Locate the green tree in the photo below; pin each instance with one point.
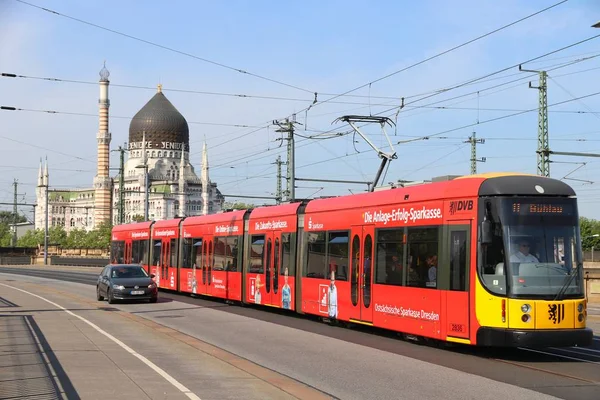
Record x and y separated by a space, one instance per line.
138 218
5 235
31 238
57 236
103 235
77 239
588 228
237 205
8 217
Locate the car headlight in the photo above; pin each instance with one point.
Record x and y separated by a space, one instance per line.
119 287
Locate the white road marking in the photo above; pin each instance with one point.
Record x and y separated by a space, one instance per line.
149 363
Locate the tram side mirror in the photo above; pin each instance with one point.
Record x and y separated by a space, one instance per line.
486 232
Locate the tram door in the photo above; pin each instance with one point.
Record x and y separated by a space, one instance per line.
173 264
207 264
165 278
127 255
272 260
361 274
457 298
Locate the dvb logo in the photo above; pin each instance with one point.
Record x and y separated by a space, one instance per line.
460 205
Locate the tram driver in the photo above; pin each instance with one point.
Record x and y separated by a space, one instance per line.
522 255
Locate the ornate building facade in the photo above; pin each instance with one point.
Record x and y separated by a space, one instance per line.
158 174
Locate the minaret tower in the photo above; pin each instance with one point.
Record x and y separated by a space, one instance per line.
182 189
205 180
102 182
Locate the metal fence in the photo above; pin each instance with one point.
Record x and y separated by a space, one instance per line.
591 256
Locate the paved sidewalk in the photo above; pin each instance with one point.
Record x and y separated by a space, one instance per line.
47 353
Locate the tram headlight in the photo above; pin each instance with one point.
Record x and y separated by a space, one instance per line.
525 317
580 307
580 317
525 308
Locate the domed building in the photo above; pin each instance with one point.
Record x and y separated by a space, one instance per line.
159 179
159 151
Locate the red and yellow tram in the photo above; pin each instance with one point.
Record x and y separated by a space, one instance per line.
491 260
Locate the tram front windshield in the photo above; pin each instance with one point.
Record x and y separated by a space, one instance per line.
537 248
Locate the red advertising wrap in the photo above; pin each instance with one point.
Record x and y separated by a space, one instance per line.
430 260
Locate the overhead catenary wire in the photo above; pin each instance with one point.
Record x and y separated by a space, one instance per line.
82 114
562 65
282 98
438 54
469 125
477 92
219 64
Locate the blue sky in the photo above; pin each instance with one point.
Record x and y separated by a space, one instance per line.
324 47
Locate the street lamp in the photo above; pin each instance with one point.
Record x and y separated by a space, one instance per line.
596 25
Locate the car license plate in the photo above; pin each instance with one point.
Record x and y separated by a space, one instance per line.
137 292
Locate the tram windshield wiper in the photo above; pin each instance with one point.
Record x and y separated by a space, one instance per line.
563 289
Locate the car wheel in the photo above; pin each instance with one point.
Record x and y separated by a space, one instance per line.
153 299
98 296
111 299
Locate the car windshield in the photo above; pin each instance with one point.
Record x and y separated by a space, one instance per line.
128 272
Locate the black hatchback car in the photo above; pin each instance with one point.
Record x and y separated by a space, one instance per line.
126 282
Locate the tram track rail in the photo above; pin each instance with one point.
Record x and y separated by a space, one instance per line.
580 365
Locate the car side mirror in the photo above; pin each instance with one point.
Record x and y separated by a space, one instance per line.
152 275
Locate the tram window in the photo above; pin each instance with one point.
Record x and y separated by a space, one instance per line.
458 260
390 256
286 255
173 247
187 253
231 253
143 251
220 254
196 250
156 252
117 251
316 266
139 251
337 254
135 246
257 248
422 257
